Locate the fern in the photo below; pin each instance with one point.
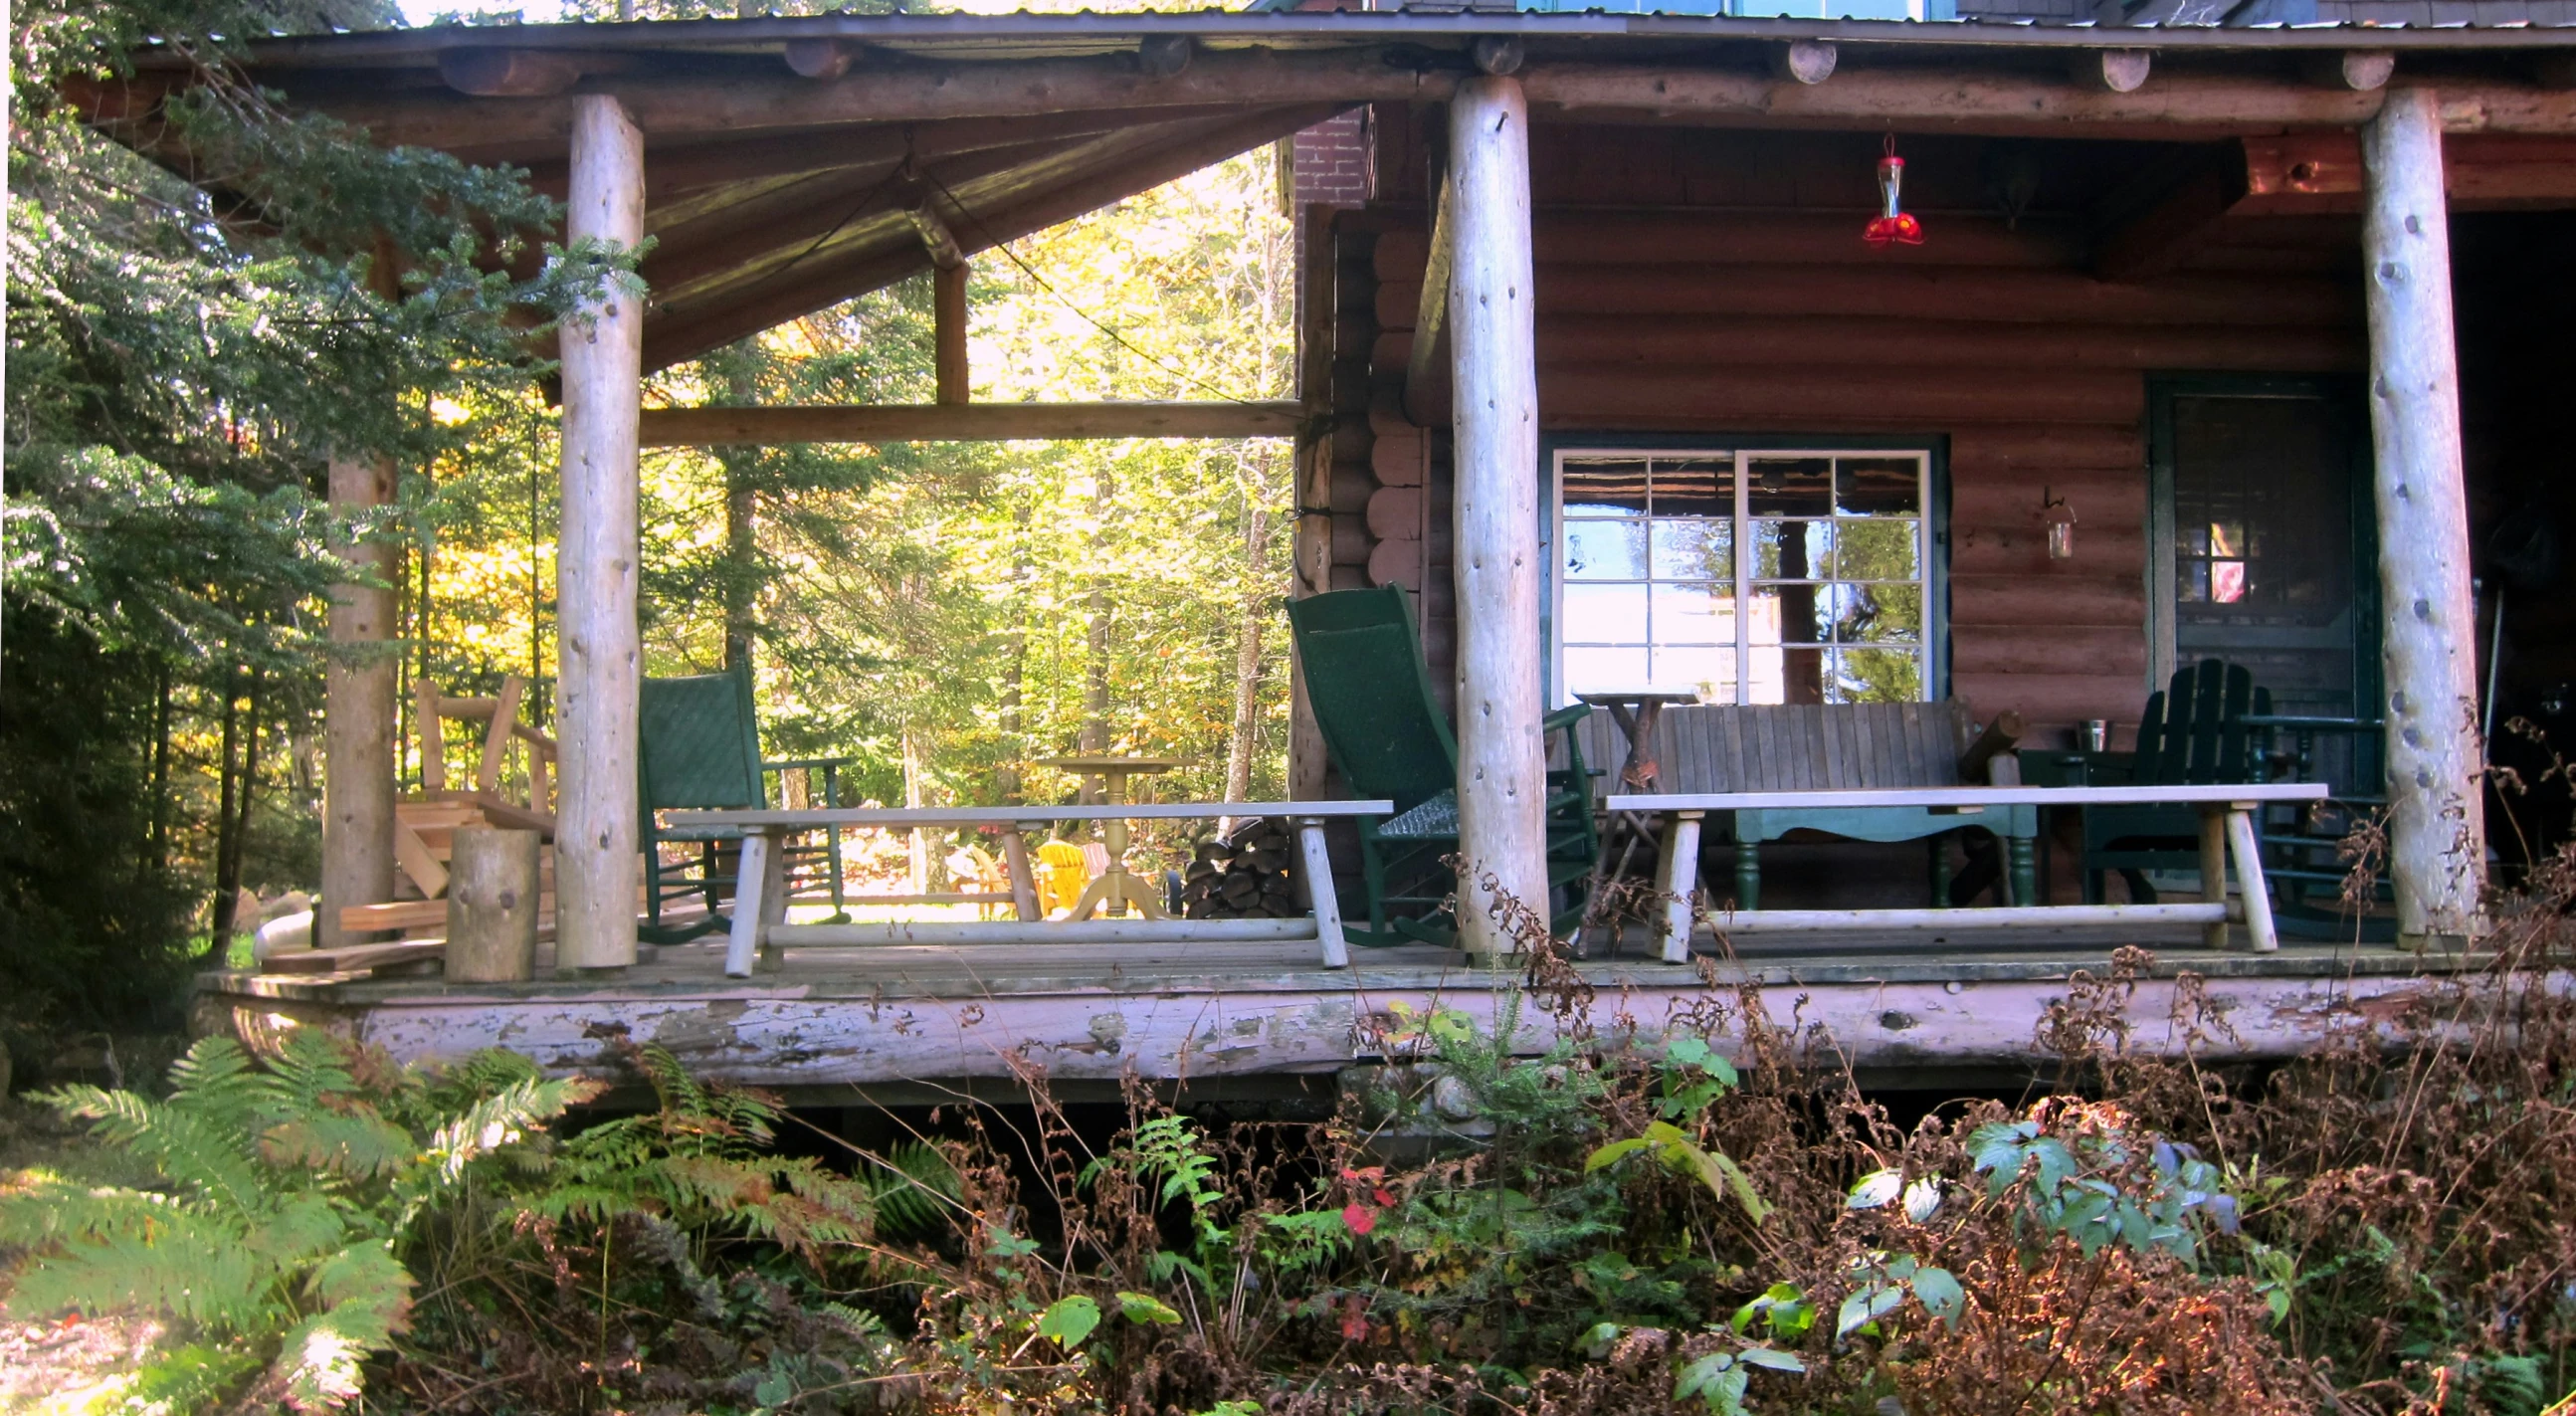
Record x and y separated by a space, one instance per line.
289 1188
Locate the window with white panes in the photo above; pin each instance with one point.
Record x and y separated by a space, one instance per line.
1745 577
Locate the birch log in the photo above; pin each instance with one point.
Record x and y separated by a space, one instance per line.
358 714
597 868
2437 828
1502 764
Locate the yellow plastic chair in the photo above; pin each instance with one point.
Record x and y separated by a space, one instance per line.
1064 872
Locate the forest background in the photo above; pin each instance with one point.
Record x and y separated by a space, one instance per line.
941 613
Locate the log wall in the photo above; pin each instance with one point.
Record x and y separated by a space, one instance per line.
1698 282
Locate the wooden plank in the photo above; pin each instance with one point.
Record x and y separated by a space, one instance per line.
354 957
1848 797
968 422
1010 931
797 818
2437 827
1974 918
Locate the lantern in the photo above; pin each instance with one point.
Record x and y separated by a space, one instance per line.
2061 526
1893 225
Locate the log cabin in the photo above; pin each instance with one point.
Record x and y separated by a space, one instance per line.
2231 334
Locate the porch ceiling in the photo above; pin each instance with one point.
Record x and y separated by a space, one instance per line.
785 157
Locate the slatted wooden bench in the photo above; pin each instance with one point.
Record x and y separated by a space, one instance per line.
1832 748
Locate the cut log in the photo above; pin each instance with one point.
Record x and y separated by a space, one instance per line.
492 905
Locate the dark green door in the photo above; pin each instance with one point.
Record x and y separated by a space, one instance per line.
2263 549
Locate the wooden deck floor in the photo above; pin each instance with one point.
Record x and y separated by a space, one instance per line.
842 1022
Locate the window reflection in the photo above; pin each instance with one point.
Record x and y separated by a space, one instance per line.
1833 544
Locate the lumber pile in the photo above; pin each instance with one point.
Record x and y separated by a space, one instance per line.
1243 875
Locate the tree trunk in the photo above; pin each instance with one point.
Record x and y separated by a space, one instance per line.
742 528
358 712
1247 656
236 788
1015 663
1095 678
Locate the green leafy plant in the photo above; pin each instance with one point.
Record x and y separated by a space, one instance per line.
290 1189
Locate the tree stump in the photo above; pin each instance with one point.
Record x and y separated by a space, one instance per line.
492 901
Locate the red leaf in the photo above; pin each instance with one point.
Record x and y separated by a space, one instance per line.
1359 1217
1383 1198
1355 1323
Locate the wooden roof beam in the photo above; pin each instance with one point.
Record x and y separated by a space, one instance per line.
790 294
2155 223
669 109
680 168
968 422
730 240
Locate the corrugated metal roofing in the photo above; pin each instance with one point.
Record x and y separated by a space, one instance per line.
1024 35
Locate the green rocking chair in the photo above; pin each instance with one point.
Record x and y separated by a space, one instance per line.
1371 695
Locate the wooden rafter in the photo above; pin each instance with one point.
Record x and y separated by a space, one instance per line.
719 318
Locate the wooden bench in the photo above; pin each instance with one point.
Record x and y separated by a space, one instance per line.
1831 748
760 900
2226 829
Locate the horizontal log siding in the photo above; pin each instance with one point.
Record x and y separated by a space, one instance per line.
1784 322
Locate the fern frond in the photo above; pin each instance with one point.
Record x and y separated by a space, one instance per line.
195 1376
309 1076
368 1276
915 1189
300 1230
50 1210
501 1120
321 1363
204 1150
360 1144
192 1267
215 1077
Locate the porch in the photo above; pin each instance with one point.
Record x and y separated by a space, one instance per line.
911 1024
1615 246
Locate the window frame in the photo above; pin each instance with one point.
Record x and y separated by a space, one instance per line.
1933 533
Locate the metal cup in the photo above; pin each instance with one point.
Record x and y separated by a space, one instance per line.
2097 734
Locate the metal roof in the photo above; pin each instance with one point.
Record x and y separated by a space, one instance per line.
1025 35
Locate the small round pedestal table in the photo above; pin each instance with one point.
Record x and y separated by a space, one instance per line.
1116 883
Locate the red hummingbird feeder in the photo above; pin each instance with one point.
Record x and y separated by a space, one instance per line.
1893 226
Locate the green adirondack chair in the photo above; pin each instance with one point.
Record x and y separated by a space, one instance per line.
2193 733
700 749
1371 694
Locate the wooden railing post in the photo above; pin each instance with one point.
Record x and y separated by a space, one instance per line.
2437 826
1502 760
597 868
358 713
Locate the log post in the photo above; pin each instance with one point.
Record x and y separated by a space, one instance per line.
598 870
1502 760
492 899
948 327
358 713
2437 825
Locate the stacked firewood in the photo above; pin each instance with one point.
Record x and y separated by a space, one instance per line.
1242 876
